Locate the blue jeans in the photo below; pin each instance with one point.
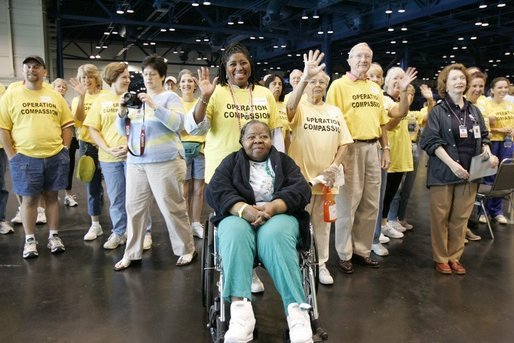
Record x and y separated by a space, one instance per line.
378 224
494 206
401 199
4 194
94 188
114 174
274 243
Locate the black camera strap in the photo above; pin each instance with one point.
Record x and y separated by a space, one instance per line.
142 136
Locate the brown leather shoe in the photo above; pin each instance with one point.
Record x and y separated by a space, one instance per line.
366 261
457 268
443 268
346 266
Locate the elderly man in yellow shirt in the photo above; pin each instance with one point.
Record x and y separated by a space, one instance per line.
362 104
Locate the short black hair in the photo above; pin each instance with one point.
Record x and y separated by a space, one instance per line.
155 62
270 79
236 48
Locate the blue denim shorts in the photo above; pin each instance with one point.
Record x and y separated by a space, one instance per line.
195 167
31 176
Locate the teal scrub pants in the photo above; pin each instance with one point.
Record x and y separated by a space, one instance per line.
274 244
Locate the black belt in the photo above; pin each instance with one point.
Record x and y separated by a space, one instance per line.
373 140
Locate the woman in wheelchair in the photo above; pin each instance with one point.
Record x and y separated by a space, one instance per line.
259 196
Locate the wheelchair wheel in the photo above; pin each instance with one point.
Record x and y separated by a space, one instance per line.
208 266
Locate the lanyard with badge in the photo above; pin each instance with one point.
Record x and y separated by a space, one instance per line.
234 101
463 129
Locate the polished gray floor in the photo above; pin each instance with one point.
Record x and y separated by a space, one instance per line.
77 297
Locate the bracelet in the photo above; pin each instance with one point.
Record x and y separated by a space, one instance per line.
241 209
387 147
203 101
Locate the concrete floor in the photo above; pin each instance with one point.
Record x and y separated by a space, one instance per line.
77 297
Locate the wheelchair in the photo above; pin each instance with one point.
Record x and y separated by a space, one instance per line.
212 283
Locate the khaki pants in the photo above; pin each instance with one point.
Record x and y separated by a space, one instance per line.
321 228
357 201
450 208
164 182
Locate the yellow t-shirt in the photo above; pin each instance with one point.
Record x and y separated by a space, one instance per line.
102 117
281 106
401 148
188 106
36 119
504 114
415 120
317 132
82 131
362 104
228 114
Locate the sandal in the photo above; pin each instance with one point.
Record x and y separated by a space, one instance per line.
186 259
124 263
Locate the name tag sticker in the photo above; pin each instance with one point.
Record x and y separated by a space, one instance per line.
260 101
107 103
45 99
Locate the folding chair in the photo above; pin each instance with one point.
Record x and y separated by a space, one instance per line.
502 187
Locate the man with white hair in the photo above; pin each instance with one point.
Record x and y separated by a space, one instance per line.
294 79
362 104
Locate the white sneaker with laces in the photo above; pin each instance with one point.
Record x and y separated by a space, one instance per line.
30 248
147 243
257 285
299 323
324 276
41 216
242 322
115 241
383 239
482 219
501 219
390 232
55 244
94 231
17 217
397 226
379 249
197 229
69 200
5 228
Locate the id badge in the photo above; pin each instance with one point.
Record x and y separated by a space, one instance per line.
463 131
476 131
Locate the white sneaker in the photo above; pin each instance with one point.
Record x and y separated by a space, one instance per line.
257 285
379 249
406 225
324 276
390 232
69 200
197 229
114 241
41 216
5 228
55 244
383 239
482 219
17 217
147 244
242 322
397 226
94 231
501 219
30 248
299 323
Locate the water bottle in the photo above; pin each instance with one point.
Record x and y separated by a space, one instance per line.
329 206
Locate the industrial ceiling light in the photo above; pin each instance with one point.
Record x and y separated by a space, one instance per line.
304 15
388 9
206 3
404 28
482 5
401 9
230 21
478 22
390 29
315 15
240 21
119 10
330 31
195 3
501 4
171 29
163 29
484 24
